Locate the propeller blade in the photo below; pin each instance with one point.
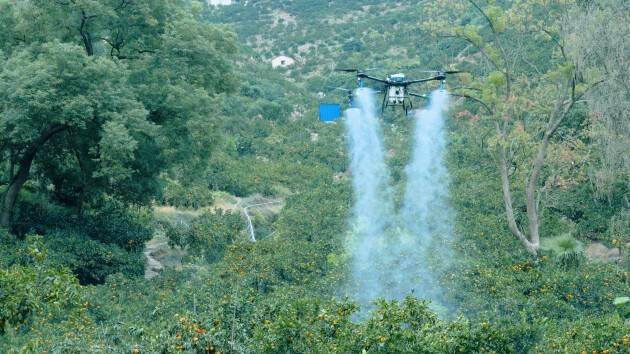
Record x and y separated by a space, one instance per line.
442 71
356 70
338 88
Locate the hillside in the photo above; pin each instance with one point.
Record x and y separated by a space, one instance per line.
144 142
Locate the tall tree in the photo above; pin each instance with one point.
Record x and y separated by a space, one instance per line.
57 89
528 85
119 89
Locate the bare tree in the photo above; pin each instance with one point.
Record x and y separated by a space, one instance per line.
599 33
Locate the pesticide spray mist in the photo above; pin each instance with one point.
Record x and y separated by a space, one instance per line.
426 214
395 254
373 208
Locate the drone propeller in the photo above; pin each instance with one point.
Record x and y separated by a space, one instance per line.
442 72
339 88
357 70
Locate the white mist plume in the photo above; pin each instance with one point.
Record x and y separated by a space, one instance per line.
426 214
390 252
373 206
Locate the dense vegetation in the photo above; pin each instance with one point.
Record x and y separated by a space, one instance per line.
112 109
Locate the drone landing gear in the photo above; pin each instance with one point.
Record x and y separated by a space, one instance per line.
384 104
408 107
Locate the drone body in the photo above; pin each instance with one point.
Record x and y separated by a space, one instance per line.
396 93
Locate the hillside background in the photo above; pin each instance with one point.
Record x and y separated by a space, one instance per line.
148 249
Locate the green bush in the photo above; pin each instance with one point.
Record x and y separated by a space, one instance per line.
240 178
209 235
180 196
112 222
568 251
107 220
92 261
591 334
34 290
31 292
36 215
305 325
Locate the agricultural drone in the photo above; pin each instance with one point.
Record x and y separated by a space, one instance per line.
395 87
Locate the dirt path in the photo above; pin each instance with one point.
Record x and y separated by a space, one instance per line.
153 266
160 255
157 250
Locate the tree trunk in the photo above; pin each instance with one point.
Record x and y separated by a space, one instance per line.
531 247
531 240
24 168
12 193
85 34
11 166
531 192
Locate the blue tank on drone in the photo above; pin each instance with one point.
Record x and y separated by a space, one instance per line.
329 112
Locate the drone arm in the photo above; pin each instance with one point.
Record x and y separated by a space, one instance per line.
365 76
424 80
417 95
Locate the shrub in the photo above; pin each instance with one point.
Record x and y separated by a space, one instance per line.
35 290
180 196
209 235
408 326
567 250
112 222
34 215
92 261
107 220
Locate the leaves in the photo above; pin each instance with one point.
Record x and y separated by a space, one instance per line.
116 149
129 83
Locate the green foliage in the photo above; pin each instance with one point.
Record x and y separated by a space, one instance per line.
108 238
157 105
565 248
191 196
602 334
623 304
34 292
107 220
186 334
394 327
62 82
208 235
112 222
30 293
109 95
90 260
37 215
